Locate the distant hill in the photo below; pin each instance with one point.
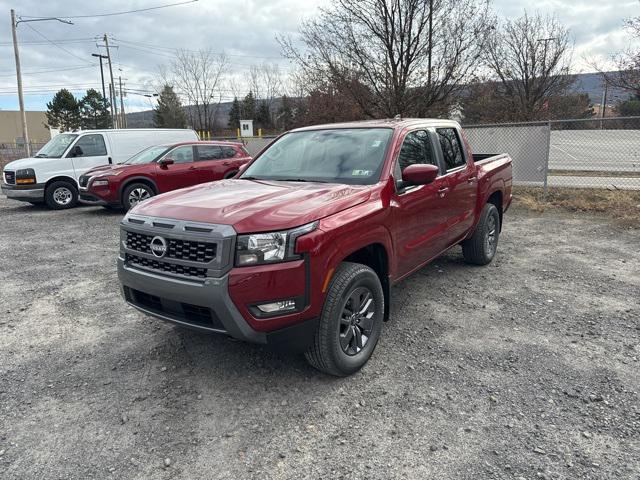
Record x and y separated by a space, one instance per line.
589 83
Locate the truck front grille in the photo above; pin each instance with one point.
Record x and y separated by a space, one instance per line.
159 265
179 249
9 177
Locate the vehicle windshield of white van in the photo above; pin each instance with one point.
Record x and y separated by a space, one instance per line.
340 155
55 147
147 155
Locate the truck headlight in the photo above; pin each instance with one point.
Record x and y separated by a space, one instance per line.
273 247
25 176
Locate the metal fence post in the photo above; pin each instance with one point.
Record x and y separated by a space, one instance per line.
546 163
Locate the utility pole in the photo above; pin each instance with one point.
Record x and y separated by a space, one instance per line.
123 123
112 89
104 92
23 114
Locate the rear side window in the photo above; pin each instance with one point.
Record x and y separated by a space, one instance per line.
181 155
209 152
451 148
92 145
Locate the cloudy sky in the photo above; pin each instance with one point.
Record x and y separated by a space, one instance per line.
56 55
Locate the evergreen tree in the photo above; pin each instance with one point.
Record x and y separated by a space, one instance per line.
94 111
63 112
235 114
249 107
169 113
285 114
263 115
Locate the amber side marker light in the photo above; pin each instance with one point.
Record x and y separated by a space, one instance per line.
25 181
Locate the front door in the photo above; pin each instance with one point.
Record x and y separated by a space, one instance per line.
183 172
89 151
419 220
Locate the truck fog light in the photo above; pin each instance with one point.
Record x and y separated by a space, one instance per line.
283 306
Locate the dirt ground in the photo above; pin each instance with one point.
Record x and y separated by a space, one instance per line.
524 369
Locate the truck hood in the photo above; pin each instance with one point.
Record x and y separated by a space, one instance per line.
255 206
30 162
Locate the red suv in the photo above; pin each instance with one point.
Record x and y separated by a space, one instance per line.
160 169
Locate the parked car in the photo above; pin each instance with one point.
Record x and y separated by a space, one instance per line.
51 176
160 169
301 248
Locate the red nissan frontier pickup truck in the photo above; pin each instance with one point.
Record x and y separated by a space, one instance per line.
301 248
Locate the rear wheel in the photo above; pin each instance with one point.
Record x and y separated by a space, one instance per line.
136 193
60 195
483 244
351 321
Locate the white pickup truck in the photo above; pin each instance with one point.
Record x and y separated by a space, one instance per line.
51 176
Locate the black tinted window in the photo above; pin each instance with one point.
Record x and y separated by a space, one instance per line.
451 148
209 152
91 145
416 148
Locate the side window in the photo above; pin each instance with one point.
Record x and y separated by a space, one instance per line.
209 152
451 148
91 145
416 148
181 154
228 152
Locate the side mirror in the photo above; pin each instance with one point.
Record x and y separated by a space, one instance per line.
165 162
419 174
77 151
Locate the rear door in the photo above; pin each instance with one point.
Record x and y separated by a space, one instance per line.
418 217
461 183
92 153
182 173
209 162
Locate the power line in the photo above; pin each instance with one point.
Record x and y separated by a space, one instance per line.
120 13
171 49
52 70
62 40
59 46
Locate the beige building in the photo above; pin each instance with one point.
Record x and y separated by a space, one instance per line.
11 127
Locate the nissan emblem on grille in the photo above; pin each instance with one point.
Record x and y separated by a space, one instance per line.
158 246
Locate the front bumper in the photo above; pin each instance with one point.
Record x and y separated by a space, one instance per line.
27 193
204 306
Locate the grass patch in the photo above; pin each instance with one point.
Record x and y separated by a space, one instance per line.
622 206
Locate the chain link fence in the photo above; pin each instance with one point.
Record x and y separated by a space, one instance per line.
583 153
14 151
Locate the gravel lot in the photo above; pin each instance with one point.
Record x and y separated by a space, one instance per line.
524 369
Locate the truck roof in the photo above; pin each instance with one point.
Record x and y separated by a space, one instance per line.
395 123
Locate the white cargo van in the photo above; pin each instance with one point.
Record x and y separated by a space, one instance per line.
51 175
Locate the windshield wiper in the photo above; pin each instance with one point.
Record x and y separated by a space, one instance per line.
250 178
41 155
300 180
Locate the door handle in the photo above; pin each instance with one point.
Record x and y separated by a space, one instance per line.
110 160
471 179
443 191
226 164
192 167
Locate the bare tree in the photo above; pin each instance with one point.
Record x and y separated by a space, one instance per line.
266 83
530 58
378 52
198 76
627 76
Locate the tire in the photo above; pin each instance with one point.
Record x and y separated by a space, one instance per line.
61 195
483 244
135 193
334 349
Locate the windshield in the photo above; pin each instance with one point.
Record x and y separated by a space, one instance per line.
147 155
341 155
55 147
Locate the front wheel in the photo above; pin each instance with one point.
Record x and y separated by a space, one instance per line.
136 193
483 244
351 321
60 195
